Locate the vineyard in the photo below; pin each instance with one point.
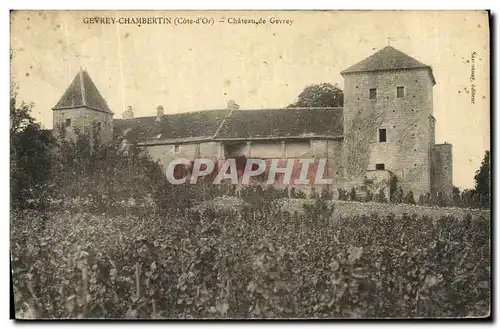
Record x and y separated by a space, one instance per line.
102 236
249 262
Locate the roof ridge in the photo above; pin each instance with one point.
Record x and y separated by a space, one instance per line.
234 110
82 87
294 108
223 122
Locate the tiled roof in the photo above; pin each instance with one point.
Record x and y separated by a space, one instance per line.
388 58
236 124
189 126
283 123
136 129
82 92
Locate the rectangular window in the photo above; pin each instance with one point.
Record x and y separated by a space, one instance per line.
400 92
176 148
382 135
67 122
99 125
380 166
373 93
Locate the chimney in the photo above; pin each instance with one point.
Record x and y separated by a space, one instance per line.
159 113
231 105
129 113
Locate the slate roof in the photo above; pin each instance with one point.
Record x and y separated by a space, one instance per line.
388 58
82 92
283 123
233 125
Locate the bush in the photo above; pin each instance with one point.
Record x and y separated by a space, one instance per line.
409 198
352 195
369 196
342 195
381 197
313 194
326 194
297 194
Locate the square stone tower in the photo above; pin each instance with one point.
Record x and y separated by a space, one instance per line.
388 122
82 107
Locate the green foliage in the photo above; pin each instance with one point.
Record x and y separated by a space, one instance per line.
342 195
409 198
483 181
319 209
397 196
253 265
313 194
261 198
326 194
320 95
297 194
380 197
369 196
352 195
30 155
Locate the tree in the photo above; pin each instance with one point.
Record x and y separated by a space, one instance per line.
456 199
320 95
482 181
30 158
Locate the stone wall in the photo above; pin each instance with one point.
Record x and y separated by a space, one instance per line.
266 149
331 150
81 118
442 169
165 153
298 149
432 127
347 209
211 150
406 153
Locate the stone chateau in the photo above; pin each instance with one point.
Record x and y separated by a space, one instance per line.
383 137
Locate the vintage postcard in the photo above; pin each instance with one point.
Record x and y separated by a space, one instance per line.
250 164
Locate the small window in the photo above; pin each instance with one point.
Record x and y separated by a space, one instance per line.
373 93
382 135
380 166
400 92
176 148
99 125
67 122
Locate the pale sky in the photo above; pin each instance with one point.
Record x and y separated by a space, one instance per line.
196 67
